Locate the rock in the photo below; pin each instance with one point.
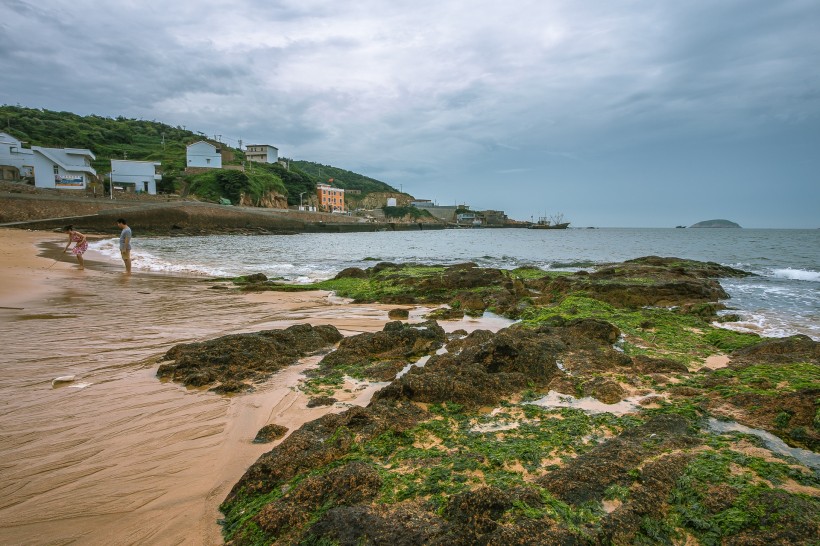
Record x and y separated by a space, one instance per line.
470 303
647 281
256 277
648 365
649 400
479 509
398 341
352 483
797 348
605 390
321 401
647 500
586 477
783 519
687 392
563 384
762 411
269 433
482 516
244 357
594 329
231 386
322 441
398 525
484 367
398 314
351 273
446 313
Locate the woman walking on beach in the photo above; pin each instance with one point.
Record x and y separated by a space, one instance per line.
80 244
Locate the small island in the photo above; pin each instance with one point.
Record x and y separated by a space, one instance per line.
715 224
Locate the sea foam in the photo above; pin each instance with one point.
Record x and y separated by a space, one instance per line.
142 260
797 274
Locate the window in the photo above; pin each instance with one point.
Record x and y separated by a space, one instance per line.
56 169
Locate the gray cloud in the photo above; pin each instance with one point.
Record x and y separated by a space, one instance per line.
599 109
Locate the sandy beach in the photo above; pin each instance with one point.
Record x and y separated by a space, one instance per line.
116 456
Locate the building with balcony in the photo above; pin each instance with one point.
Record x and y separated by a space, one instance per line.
63 168
16 162
262 153
330 199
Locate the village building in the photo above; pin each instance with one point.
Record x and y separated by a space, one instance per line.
445 214
330 198
203 155
262 153
135 176
468 218
494 218
16 162
63 168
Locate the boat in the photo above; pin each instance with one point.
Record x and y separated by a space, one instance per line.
545 223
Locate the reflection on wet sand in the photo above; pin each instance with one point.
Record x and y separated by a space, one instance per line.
117 456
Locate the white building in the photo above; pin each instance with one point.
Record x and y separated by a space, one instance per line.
139 176
62 168
15 161
204 154
262 153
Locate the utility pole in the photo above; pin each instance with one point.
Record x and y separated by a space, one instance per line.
163 140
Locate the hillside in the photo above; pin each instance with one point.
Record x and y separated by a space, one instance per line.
342 178
124 138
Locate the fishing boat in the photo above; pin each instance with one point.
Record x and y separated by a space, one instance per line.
555 222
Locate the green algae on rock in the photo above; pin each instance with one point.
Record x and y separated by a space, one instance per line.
233 360
453 452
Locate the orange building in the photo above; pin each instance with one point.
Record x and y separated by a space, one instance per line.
330 198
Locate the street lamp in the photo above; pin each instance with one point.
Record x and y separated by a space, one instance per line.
300 199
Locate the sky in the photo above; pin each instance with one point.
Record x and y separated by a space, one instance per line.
615 113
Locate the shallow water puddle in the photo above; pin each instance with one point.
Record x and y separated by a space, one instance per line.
775 444
589 404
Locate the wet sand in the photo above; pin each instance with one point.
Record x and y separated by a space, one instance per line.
117 456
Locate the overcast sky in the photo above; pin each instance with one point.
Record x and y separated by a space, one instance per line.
615 113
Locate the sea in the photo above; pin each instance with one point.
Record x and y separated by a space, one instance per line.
781 299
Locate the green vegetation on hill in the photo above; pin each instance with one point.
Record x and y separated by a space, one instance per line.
342 178
294 181
107 137
220 183
143 140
